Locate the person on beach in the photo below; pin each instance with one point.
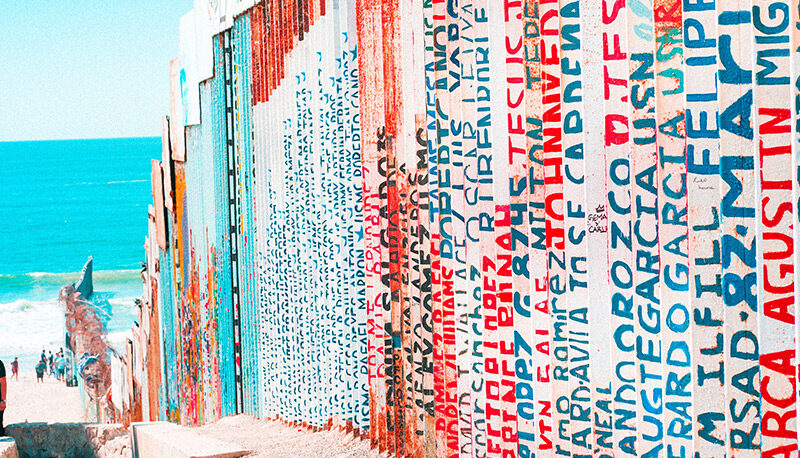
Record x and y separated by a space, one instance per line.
2 396
44 356
60 366
40 368
15 369
50 365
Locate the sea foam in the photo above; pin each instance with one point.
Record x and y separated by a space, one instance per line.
31 317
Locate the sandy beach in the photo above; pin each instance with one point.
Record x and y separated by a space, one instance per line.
50 401
272 439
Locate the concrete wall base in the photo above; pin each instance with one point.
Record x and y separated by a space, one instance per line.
70 440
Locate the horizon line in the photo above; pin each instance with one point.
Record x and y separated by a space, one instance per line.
78 139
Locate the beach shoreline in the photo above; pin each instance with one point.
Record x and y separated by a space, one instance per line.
51 401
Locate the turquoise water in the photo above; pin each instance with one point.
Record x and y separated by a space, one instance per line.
62 202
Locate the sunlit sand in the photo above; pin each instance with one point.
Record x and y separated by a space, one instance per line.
51 401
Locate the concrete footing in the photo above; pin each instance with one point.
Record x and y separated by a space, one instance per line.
167 439
68 440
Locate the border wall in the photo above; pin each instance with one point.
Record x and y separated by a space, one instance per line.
482 228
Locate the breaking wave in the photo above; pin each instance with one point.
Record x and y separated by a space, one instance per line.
48 282
32 319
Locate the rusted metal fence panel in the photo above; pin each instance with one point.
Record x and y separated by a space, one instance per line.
478 228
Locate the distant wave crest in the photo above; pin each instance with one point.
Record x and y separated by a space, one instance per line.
50 279
23 306
88 183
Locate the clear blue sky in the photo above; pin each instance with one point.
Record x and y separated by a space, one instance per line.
88 69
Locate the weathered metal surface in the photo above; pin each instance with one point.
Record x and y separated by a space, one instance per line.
477 228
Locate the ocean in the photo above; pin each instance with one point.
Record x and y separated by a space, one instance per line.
62 202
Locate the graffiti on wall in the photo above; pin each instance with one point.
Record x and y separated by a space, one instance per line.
479 228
